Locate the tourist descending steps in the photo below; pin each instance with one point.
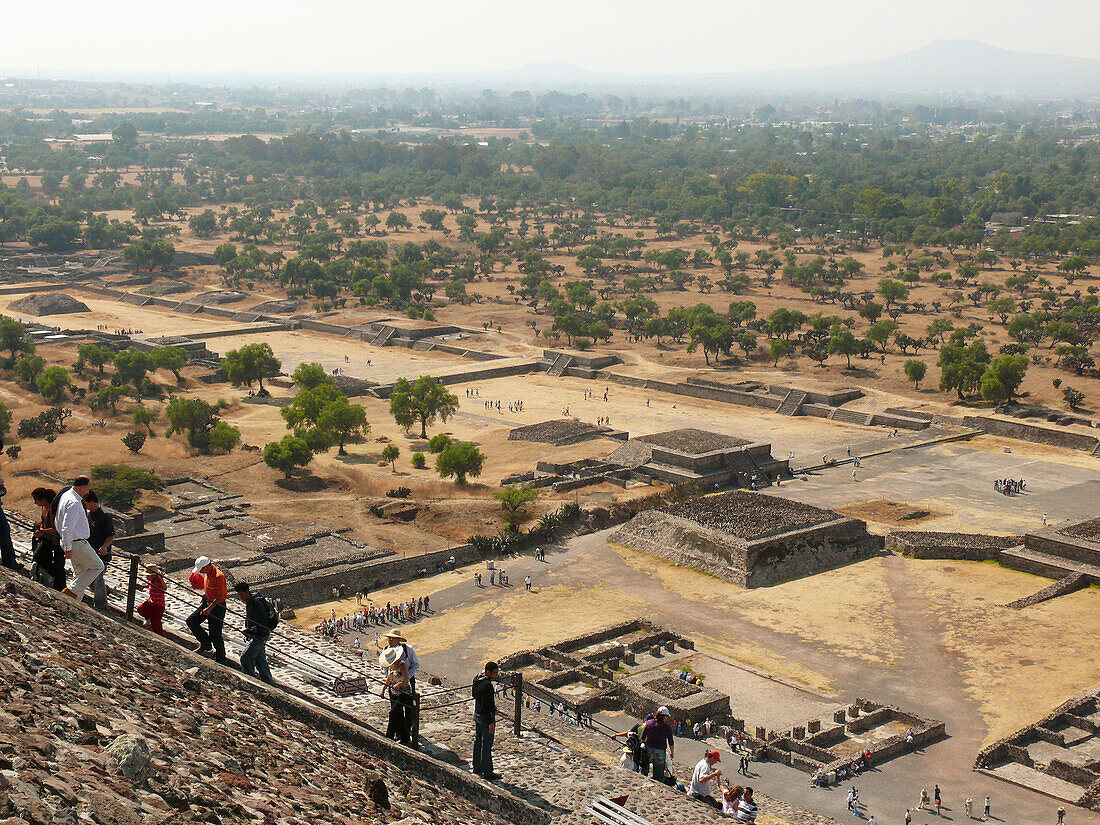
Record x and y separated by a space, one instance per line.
48 562
259 620
399 726
211 609
152 609
101 537
71 521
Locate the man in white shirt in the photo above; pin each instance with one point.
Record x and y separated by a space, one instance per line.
701 777
71 521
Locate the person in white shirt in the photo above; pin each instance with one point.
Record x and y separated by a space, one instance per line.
71 521
701 777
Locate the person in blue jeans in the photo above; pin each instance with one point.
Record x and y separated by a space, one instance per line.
256 630
659 744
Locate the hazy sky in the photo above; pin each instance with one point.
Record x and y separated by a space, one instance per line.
412 36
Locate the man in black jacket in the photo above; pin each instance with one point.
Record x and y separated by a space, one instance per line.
485 713
257 631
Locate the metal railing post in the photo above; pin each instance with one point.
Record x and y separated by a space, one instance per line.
131 587
517 686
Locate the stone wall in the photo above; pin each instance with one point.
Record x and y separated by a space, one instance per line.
311 588
937 545
1030 432
809 551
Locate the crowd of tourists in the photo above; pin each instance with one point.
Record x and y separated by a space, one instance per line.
1009 486
373 615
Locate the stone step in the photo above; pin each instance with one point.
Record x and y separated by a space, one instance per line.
1037 781
1044 564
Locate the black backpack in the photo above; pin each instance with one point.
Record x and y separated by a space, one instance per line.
272 615
634 742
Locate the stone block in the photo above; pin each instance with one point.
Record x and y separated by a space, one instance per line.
762 733
853 712
814 725
628 657
840 716
799 732
655 650
670 646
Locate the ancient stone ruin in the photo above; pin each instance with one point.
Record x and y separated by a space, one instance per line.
1059 755
50 303
750 539
699 457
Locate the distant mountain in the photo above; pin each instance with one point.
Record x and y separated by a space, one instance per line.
951 67
946 68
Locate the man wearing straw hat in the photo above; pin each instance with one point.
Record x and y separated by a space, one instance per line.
394 640
397 683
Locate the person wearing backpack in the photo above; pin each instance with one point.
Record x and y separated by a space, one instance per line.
260 619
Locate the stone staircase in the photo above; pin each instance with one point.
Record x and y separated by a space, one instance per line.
384 336
851 417
791 403
561 363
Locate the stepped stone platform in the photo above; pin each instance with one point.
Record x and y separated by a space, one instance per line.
750 539
1058 756
699 457
557 432
53 303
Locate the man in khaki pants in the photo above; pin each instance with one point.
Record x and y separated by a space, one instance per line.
71 521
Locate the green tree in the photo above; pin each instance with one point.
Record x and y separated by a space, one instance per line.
310 374
1003 376
343 421
1073 398
892 291
843 342
962 365
134 441
169 358
223 438
29 367
514 501
131 365
108 397
144 417
914 371
880 332
779 348
15 338
53 384
125 136
308 404
199 420
5 420
119 485
433 218
459 460
423 400
287 455
97 355
252 362
390 453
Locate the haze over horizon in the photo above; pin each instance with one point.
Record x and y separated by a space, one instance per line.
435 37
